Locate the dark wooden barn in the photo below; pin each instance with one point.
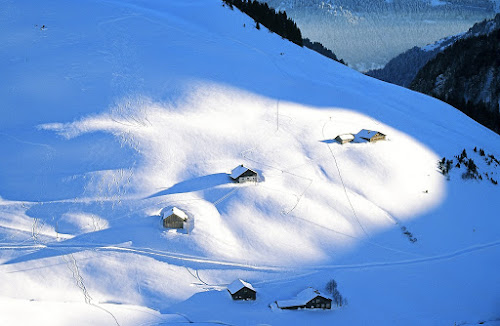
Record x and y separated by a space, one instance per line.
241 290
370 135
243 174
307 299
174 218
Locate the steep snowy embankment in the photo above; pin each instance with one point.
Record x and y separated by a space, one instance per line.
141 105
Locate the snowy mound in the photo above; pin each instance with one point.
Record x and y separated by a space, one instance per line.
144 105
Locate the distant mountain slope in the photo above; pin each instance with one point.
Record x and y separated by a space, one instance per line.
367 34
402 69
384 5
467 75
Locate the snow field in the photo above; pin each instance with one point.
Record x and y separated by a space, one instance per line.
150 104
159 141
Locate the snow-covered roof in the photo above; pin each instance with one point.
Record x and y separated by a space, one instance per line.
238 285
239 170
176 211
302 298
366 134
346 136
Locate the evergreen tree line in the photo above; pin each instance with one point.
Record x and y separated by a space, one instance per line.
279 23
480 111
318 47
471 169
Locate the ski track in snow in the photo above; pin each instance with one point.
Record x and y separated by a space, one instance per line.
198 259
27 142
75 271
343 183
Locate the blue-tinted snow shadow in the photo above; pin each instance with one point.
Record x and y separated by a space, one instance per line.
143 229
196 184
87 241
41 166
333 141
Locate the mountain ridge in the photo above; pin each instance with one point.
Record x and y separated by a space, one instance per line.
368 34
466 75
402 69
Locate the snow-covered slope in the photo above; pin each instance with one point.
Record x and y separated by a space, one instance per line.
109 117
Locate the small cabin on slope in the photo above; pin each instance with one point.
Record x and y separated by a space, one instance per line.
307 299
241 290
370 135
174 218
344 138
243 174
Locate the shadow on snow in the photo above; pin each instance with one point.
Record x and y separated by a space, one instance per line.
196 184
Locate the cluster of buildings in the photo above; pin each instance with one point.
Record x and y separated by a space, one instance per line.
306 299
364 135
175 218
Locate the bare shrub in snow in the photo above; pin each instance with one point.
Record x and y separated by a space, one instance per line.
338 299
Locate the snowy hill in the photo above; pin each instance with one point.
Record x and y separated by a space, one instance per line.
110 117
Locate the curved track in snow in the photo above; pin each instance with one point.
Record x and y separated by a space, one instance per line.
203 260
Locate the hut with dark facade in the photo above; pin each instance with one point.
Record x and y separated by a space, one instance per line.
241 290
306 299
243 174
344 138
174 218
370 135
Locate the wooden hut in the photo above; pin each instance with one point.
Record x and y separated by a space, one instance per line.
370 135
174 218
243 174
306 299
344 138
241 290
